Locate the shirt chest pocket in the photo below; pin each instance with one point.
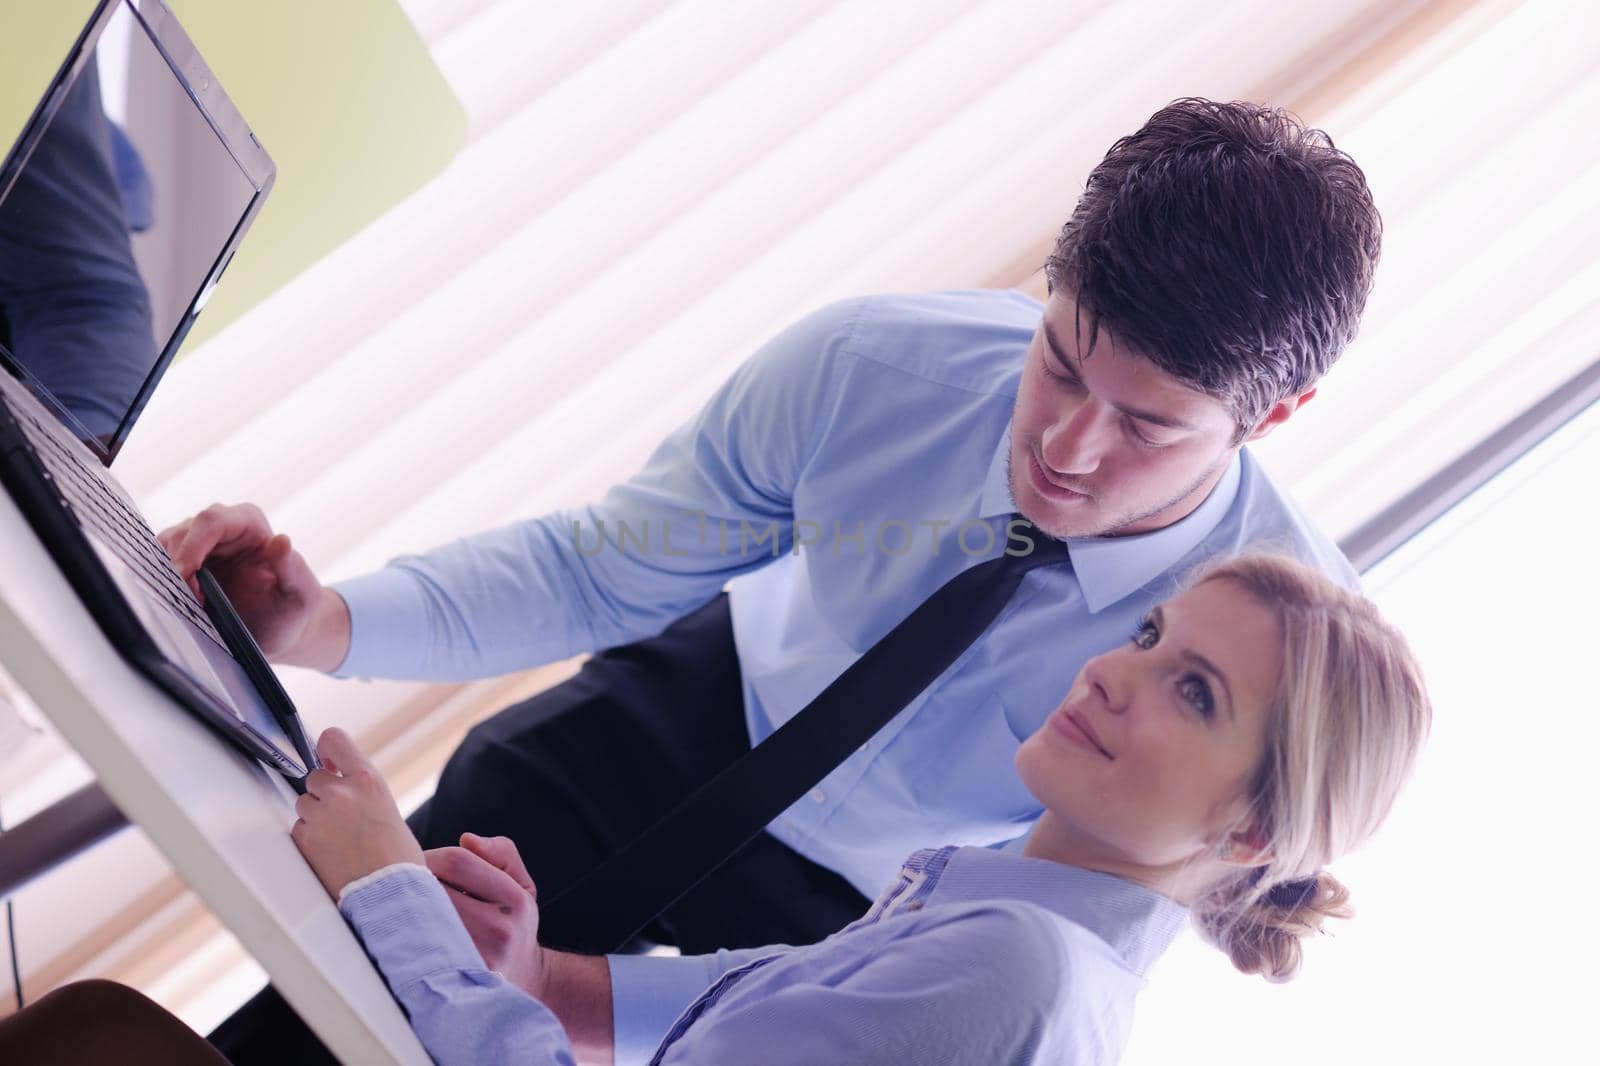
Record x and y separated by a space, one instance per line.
966 780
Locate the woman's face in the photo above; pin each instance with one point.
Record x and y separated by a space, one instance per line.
1146 761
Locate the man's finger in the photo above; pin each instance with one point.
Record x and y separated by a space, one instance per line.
502 852
191 551
217 531
439 866
204 541
173 536
478 917
474 875
243 527
277 552
293 576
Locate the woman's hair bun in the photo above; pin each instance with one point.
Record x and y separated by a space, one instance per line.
1263 935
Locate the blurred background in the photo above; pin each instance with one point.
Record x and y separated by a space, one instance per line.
514 243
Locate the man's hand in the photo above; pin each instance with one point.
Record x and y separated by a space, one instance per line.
349 825
498 903
496 899
285 607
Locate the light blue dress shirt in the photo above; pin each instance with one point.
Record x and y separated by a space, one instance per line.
870 440
970 956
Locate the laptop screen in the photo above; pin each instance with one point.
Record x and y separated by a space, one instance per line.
115 210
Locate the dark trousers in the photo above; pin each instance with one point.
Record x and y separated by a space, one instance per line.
578 771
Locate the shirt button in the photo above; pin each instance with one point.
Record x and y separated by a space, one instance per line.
914 905
819 796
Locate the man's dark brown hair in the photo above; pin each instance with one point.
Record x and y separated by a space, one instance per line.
1227 243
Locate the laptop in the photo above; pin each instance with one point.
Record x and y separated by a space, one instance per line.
121 205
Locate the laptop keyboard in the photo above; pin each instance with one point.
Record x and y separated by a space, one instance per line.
119 526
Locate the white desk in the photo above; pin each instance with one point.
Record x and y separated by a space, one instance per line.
221 819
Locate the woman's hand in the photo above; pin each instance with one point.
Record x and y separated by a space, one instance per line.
349 825
498 903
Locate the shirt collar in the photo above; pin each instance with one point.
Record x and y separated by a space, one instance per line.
1110 568
1137 923
996 498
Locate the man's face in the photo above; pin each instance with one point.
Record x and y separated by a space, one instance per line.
1109 445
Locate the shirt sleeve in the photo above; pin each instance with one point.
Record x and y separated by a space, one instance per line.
462 1012
715 500
953 985
649 992
377 875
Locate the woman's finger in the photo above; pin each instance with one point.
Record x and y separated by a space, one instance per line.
320 781
335 746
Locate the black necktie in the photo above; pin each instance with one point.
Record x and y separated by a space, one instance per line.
659 867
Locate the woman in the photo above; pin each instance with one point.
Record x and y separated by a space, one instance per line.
1255 727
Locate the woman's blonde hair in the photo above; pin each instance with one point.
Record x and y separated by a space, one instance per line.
1344 729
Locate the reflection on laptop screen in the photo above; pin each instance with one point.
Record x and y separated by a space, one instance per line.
110 230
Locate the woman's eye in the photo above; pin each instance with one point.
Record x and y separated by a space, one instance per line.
1197 694
1146 635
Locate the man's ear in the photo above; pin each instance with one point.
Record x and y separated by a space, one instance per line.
1280 413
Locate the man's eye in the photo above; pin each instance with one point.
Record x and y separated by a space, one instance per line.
1142 440
1197 694
1055 375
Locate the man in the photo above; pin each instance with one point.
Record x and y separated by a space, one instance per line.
1213 270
